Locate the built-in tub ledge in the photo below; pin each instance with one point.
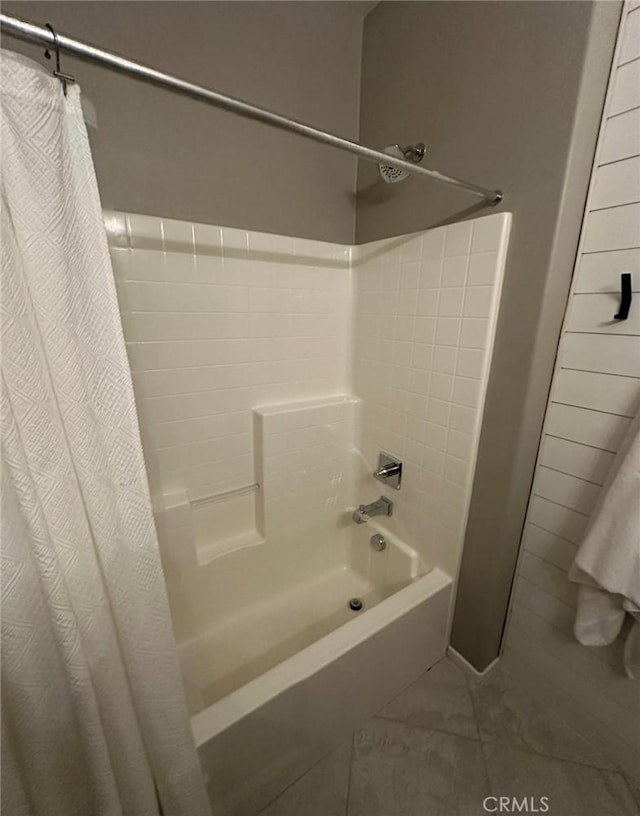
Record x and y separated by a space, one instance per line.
225 494
214 524
227 521
223 714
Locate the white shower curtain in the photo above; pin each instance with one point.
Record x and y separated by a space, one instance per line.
94 719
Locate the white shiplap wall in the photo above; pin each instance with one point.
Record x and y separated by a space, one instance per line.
595 391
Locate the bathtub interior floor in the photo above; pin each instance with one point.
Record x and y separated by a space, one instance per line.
257 637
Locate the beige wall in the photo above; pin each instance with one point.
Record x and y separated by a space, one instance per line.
493 89
162 154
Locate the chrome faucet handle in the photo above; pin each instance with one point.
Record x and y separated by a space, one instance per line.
389 471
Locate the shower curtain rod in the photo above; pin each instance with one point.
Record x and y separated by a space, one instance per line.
32 32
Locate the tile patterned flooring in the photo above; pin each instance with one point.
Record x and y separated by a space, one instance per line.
449 741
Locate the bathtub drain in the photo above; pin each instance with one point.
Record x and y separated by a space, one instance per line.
355 604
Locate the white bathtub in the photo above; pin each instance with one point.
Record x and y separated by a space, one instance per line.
275 684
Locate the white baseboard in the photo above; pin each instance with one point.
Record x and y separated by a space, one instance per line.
456 657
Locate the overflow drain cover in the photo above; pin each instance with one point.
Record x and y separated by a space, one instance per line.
355 604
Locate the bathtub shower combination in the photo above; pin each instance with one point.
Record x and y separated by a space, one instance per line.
271 374
309 414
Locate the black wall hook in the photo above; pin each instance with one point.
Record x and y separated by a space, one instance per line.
64 78
625 297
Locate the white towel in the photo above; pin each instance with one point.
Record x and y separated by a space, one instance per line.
607 565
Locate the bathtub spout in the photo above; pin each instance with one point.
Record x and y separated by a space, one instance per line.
359 516
382 507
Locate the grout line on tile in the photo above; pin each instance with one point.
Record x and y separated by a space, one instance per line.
431 730
485 764
296 780
632 788
528 750
351 758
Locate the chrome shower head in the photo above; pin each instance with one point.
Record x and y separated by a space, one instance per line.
414 153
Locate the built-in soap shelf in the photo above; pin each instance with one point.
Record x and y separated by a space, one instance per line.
303 473
225 522
216 524
225 494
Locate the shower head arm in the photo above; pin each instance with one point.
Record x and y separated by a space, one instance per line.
414 153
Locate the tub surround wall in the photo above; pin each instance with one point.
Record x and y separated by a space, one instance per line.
304 462
220 322
242 347
426 313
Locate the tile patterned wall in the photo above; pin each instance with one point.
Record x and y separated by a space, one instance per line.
218 321
221 321
426 309
304 462
595 391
